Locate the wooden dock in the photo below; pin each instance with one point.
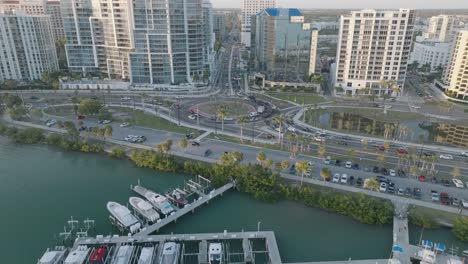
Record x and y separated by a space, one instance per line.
203 199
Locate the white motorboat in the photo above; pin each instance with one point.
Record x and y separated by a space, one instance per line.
215 253
54 256
144 209
123 218
124 254
170 253
77 256
159 202
146 255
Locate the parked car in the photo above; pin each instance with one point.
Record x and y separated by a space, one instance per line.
391 188
381 148
192 117
344 178
348 164
408 192
327 160
422 178
355 166
125 124
78 117
292 169
435 196
384 171
464 203
382 179
359 182
402 151
457 183
428 154
375 170
189 136
351 180
207 152
444 198
336 178
383 187
125 98
401 173
446 157
51 122
417 193
400 192
392 172
455 202
464 154
338 162
195 144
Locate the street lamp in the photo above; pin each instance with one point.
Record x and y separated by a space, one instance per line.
258 227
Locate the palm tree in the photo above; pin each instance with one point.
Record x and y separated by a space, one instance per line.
268 163
241 121
321 151
279 119
456 172
302 167
325 173
351 154
221 113
260 157
284 164
371 184
183 143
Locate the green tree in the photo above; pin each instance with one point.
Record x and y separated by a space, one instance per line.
117 152
260 157
460 228
322 151
183 143
284 164
221 113
280 119
371 184
302 167
268 163
278 166
89 107
325 173
351 154
241 121
108 131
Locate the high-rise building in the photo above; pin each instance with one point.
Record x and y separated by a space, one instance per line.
431 53
219 26
127 40
440 28
32 7
53 10
28 47
456 75
373 46
284 46
251 8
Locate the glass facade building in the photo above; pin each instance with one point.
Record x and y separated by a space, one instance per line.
284 46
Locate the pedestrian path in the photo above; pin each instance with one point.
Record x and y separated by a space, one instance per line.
202 136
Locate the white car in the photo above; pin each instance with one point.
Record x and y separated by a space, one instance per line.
106 122
124 124
344 178
308 174
291 128
126 98
464 203
336 178
416 107
446 156
464 154
348 164
192 117
457 183
327 160
51 122
383 187
310 163
228 118
392 172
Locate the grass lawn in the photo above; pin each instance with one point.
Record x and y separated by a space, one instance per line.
60 111
299 98
140 118
280 104
247 142
441 217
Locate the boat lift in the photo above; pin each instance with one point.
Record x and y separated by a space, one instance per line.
200 185
76 230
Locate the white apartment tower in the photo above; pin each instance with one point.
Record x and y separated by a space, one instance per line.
28 47
457 72
53 10
373 46
32 7
251 8
439 28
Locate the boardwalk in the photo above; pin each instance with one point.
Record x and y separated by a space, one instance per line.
188 208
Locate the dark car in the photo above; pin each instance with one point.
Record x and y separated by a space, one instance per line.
351 180
446 183
428 154
417 193
408 192
189 136
401 173
355 166
434 180
195 144
338 163
342 142
207 152
359 182
375 170
292 169
444 198
78 117
82 128
382 179
391 189
384 171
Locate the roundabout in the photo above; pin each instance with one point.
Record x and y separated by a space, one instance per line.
231 108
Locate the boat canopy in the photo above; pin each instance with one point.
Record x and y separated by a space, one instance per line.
426 243
439 247
143 205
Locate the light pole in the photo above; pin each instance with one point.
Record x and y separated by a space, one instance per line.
258 227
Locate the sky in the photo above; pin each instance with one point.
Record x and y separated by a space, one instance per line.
387 4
